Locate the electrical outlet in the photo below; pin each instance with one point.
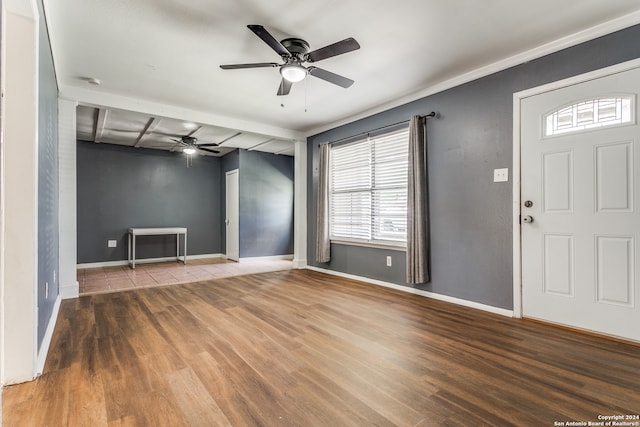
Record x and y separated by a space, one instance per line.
501 175
46 290
389 261
112 243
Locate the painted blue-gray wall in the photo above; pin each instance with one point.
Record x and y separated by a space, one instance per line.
471 225
121 187
266 204
48 252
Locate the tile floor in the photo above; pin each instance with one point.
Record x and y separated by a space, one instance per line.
110 279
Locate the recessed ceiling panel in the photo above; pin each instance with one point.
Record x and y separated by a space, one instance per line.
134 129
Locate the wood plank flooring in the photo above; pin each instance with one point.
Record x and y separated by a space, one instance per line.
300 348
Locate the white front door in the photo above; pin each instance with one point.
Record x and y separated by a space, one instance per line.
232 217
580 187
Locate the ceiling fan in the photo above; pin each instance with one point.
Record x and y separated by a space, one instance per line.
294 52
190 145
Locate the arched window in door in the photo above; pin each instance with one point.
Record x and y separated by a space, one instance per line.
612 110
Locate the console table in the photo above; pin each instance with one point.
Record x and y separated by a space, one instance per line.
133 232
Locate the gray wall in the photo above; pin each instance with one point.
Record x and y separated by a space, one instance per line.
266 204
121 187
471 227
48 252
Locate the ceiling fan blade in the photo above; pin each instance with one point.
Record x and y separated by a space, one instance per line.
209 144
266 37
179 141
207 150
337 48
330 77
254 65
285 87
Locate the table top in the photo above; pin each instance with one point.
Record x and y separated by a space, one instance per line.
158 230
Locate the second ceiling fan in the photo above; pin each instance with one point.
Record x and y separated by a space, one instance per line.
294 52
190 145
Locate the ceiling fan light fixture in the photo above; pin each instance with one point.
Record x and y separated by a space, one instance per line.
293 72
189 150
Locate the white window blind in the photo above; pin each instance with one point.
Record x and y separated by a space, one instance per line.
368 190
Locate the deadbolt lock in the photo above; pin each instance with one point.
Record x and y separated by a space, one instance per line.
528 204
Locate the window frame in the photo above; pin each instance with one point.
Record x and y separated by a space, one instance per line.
398 245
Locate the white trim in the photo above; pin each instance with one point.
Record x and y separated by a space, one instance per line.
299 263
70 291
46 340
401 247
143 261
19 190
517 99
300 204
67 199
288 257
520 58
445 298
517 250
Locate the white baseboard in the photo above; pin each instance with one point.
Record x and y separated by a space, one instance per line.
46 340
145 261
446 298
70 291
299 263
267 258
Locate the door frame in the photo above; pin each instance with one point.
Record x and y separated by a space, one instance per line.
517 98
235 172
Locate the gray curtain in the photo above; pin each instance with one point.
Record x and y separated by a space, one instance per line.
323 247
417 205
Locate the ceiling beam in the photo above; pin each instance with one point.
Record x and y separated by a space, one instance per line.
229 138
261 144
103 113
283 150
148 128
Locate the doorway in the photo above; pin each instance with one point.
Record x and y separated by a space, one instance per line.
578 202
232 215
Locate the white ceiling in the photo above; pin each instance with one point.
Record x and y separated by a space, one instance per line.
161 57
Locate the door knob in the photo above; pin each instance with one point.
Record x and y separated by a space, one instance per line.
527 219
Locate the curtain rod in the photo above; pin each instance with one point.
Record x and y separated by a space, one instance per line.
431 115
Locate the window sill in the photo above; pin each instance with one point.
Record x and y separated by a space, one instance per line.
390 246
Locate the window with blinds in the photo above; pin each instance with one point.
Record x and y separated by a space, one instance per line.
368 190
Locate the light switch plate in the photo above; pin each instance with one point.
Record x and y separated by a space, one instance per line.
112 243
501 175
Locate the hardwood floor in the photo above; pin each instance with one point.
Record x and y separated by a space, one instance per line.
300 348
